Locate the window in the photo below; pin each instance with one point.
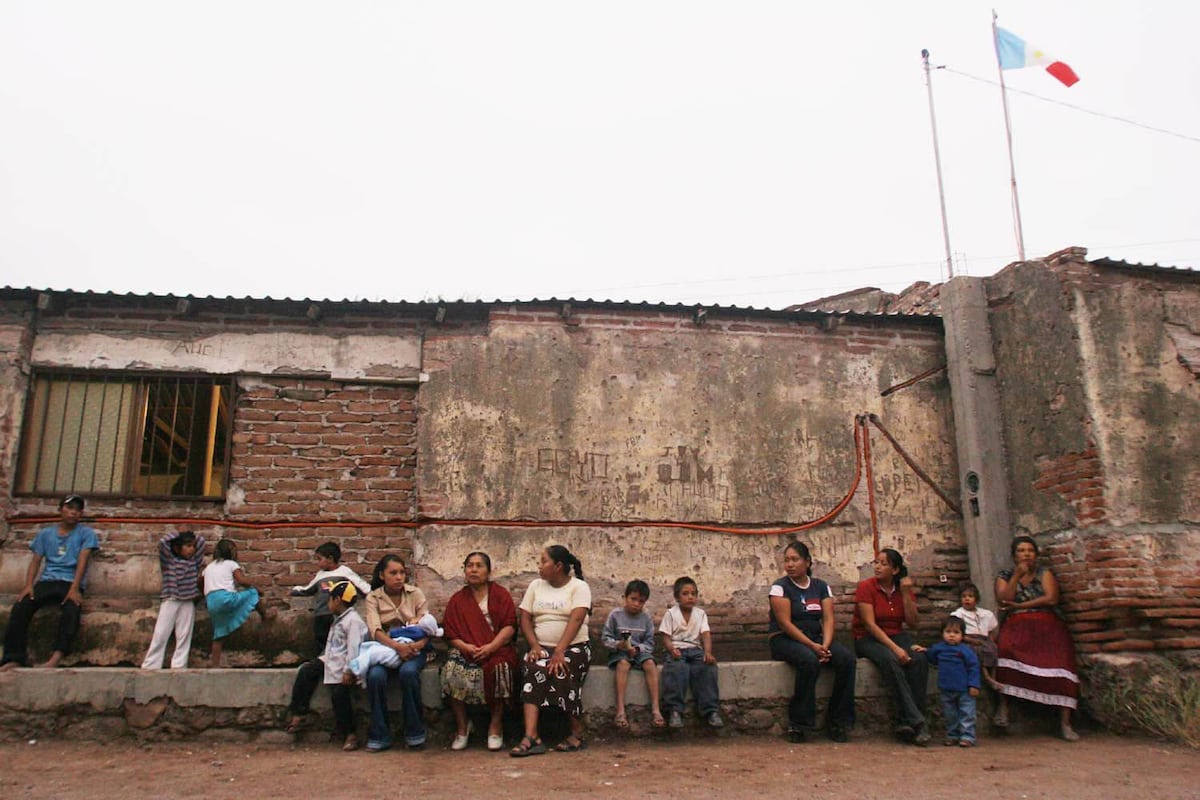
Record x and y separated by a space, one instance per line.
101 433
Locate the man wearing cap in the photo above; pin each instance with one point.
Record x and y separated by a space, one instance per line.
57 575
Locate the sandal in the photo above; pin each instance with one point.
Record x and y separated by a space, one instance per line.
658 720
621 721
565 746
351 743
296 724
528 747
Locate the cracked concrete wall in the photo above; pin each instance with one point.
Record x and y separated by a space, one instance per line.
638 417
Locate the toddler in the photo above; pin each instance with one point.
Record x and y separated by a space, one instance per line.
958 682
980 628
629 636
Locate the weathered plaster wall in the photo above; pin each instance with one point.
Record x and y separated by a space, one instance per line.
1102 427
647 417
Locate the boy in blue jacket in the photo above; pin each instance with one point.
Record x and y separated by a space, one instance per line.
958 682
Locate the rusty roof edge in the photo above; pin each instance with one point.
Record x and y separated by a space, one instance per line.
1116 263
11 292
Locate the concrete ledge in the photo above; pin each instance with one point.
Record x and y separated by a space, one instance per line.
85 702
108 687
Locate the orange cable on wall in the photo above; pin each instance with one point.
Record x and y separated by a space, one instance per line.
862 453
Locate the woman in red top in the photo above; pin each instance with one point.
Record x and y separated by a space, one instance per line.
883 605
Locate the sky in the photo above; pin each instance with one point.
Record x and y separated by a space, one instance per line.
750 154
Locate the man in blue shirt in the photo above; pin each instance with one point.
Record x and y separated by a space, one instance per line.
60 555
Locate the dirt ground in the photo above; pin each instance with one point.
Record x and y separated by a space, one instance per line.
1101 766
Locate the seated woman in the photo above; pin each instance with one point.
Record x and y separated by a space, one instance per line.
883 605
393 603
1036 656
801 633
553 618
480 624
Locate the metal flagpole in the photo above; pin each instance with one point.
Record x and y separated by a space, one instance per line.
1012 169
937 163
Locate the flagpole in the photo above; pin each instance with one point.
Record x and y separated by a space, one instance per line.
1012 169
937 163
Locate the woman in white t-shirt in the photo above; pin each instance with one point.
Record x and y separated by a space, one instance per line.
228 606
553 618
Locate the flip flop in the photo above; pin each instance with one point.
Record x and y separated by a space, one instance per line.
528 747
621 721
659 722
565 746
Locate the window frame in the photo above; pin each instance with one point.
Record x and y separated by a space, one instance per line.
138 418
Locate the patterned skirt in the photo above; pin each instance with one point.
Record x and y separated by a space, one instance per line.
563 690
464 680
1037 659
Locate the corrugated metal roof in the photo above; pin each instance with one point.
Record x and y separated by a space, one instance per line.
433 304
1132 265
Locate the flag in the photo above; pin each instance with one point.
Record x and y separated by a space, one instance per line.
1015 53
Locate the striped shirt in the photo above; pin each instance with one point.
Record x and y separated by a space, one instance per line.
180 576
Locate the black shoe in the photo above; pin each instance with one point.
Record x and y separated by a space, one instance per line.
796 735
905 731
837 733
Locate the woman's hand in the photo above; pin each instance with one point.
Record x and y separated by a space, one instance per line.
908 584
902 655
558 663
536 653
483 652
821 650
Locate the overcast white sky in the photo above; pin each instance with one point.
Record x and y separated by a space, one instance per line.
749 153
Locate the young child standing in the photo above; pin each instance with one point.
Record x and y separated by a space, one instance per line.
329 570
629 636
980 628
958 682
228 606
180 556
346 633
690 660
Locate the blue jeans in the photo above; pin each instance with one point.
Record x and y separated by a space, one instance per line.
958 712
689 669
379 733
802 710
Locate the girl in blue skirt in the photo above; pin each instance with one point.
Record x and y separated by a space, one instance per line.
228 606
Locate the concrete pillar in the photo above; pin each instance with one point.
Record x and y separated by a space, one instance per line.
975 398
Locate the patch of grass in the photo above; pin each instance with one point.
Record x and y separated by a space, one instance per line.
1164 703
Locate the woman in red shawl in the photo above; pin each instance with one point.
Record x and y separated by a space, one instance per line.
480 623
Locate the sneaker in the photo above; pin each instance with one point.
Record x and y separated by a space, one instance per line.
796 735
837 733
675 720
715 721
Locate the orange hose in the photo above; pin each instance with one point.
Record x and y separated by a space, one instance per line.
866 453
859 440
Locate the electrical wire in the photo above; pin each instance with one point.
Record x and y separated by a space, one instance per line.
1072 106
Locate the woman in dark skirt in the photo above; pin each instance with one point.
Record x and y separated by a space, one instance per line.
553 619
1037 658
